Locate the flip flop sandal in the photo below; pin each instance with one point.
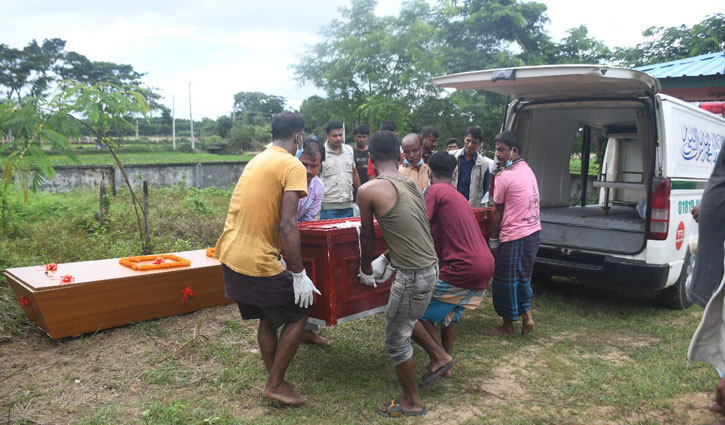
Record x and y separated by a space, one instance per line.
395 410
431 376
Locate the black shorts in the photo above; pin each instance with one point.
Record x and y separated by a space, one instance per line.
263 297
278 316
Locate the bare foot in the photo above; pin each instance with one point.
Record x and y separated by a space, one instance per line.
284 394
501 330
527 323
311 336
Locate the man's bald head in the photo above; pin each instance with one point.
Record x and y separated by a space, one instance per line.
411 145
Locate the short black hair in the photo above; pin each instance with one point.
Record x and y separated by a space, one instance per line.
384 146
332 125
388 126
510 138
285 124
311 146
476 132
361 129
429 130
442 164
453 140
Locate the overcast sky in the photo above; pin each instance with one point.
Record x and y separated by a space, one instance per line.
222 48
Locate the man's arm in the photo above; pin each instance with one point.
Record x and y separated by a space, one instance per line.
288 231
367 230
496 219
355 178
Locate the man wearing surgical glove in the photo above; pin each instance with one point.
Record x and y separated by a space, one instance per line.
400 209
262 220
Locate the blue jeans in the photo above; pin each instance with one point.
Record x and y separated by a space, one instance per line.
330 214
410 294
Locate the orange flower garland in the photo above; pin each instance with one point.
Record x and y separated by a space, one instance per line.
210 252
158 262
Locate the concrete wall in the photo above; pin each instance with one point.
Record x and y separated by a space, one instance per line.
198 175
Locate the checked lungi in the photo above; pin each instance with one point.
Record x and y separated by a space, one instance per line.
511 285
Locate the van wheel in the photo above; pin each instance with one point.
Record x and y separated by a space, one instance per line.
676 296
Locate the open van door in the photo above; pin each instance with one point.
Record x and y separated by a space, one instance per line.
555 82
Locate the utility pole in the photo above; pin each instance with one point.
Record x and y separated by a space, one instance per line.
173 122
191 120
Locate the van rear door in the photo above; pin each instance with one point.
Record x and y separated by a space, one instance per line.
555 82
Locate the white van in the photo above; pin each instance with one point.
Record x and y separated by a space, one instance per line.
632 231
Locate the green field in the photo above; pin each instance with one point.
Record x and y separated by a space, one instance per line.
595 357
105 158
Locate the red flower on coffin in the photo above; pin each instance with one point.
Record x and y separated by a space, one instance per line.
51 267
159 260
66 278
186 293
24 301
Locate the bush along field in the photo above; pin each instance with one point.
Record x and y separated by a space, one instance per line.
595 357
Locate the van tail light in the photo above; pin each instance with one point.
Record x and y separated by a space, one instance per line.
660 218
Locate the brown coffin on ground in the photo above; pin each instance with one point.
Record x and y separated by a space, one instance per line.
105 294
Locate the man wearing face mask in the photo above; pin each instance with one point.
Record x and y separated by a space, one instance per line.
262 221
472 175
515 235
413 166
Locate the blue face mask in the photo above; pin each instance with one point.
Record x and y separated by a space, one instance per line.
405 161
508 163
299 153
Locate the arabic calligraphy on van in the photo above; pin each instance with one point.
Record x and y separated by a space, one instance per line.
700 145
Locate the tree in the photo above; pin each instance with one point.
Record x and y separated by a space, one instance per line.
577 47
104 108
79 68
317 111
666 44
224 126
485 34
250 106
33 123
29 71
374 68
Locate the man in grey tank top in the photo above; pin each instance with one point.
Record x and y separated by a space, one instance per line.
400 209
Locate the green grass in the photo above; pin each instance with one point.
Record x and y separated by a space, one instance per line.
595 357
105 158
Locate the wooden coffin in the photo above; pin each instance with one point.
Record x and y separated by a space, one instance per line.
105 294
331 256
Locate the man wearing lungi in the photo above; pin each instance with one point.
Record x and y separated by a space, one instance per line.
466 265
262 220
400 209
515 235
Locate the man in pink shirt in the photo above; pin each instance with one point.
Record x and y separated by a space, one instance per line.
515 235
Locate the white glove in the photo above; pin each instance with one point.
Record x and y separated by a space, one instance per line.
367 279
304 288
379 264
494 244
381 269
